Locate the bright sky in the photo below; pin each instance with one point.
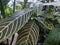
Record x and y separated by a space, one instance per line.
11 2
57 0
35 0
28 0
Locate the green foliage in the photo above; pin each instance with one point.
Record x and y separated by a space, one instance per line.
25 4
8 11
50 10
58 20
53 37
48 13
2 4
18 8
45 22
57 26
49 24
29 34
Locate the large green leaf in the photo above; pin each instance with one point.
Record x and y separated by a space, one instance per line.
29 34
11 25
53 37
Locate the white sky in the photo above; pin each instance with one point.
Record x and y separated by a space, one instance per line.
28 0
35 0
57 0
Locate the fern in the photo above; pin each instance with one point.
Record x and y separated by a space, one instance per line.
29 34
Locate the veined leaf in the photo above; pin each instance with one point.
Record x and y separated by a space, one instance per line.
49 25
11 25
45 23
29 34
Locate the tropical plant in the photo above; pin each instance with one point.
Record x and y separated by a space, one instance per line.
29 34
53 37
29 26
